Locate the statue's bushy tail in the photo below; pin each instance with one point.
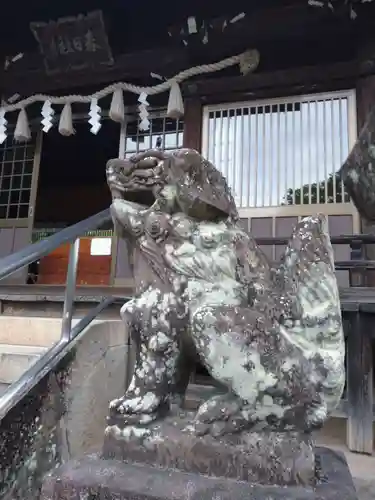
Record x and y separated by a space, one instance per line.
308 272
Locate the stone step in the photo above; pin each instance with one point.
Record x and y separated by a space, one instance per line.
30 331
23 340
3 388
16 359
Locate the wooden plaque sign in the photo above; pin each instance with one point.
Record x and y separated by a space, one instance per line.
73 43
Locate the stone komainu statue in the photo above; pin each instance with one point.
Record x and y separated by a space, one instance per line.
204 289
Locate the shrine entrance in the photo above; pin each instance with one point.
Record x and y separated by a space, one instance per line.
71 187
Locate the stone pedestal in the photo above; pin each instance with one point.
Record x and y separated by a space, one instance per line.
93 477
269 458
166 461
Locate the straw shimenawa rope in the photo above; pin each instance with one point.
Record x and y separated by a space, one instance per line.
248 60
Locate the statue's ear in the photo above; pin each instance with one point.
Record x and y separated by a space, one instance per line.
202 190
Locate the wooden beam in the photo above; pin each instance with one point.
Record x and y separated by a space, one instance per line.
127 67
309 76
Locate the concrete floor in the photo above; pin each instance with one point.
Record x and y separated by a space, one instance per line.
362 467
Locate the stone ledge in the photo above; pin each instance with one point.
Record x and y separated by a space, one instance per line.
103 479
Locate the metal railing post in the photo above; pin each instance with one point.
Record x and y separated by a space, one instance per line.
70 289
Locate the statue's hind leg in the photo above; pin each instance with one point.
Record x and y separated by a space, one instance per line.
271 381
222 337
156 334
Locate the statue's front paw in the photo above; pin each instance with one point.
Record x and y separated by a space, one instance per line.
146 403
137 410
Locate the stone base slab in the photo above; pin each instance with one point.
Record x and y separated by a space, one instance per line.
264 457
93 477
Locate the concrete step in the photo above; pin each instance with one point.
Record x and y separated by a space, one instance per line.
24 339
3 388
16 359
30 331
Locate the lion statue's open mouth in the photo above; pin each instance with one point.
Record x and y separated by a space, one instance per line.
138 178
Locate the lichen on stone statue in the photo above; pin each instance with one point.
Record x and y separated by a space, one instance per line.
204 290
358 171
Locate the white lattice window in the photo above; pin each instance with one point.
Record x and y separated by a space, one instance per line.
282 152
164 132
16 169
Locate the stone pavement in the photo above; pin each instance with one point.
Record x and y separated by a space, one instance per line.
365 489
363 471
362 467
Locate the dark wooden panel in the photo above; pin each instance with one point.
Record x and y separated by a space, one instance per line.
11 240
360 384
261 227
6 241
193 124
74 42
283 229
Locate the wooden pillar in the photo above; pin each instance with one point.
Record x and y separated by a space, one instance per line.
193 124
360 383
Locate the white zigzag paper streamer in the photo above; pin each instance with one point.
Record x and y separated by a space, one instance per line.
47 113
3 126
95 116
143 112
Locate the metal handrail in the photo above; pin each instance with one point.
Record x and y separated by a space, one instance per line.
16 261
29 379
24 257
